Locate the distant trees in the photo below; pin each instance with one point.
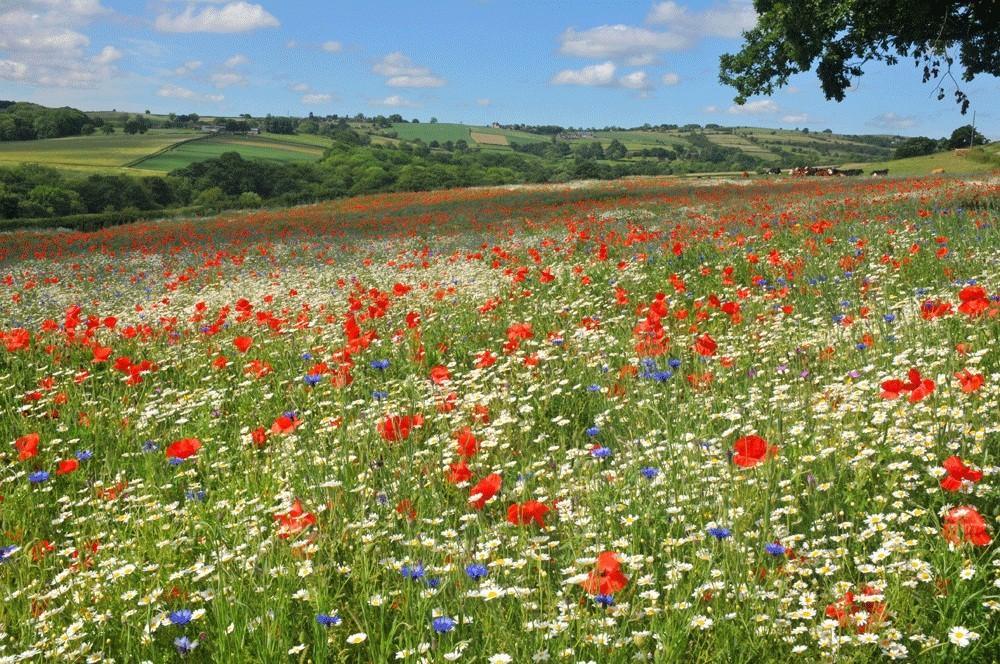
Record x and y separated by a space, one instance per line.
966 136
137 124
615 150
280 125
21 121
916 147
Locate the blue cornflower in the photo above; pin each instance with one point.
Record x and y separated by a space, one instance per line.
195 495
312 380
84 455
175 461
600 452
476 571
415 572
6 552
150 446
592 431
861 346
433 582
379 364
443 624
180 616
307 356
378 395
604 600
673 363
719 533
649 472
661 376
774 549
38 477
557 342
838 317
888 318
593 388
327 620
184 645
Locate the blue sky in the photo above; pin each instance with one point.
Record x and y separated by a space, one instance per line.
586 63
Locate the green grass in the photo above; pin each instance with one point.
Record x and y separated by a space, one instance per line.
953 163
90 154
440 132
249 147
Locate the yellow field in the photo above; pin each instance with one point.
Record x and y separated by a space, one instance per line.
489 139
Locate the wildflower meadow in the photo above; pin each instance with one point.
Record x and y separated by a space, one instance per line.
654 420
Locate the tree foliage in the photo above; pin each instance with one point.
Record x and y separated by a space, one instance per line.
842 36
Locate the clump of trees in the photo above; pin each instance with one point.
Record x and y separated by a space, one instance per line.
22 121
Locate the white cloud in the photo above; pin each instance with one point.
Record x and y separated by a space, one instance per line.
232 17
236 61
107 55
757 107
188 67
394 101
227 79
639 46
42 45
332 46
175 92
636 80
401 72
299 87
892 121
13 71
415 82
670 78
620 42
727 20
711 109
795 118
171 91
484 101
316 98
602 74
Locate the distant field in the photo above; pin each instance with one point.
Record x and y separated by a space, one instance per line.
427 132
96 153
268 148
489 139
953 164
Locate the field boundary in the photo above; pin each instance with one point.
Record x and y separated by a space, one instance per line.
135 162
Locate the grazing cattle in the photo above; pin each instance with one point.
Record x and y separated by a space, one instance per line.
937 171
774 171
851 172
881 172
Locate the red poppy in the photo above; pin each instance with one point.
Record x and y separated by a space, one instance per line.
67 466
974 300
606 578
467 443
917 386
259 436
705 345
965 523
294 521
27 446
397 427
528 511
183 448
101 353
439 374
485 359
957 473
749 451
459 472
969 381
243 343
846 610
17 339
285 425
485 489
